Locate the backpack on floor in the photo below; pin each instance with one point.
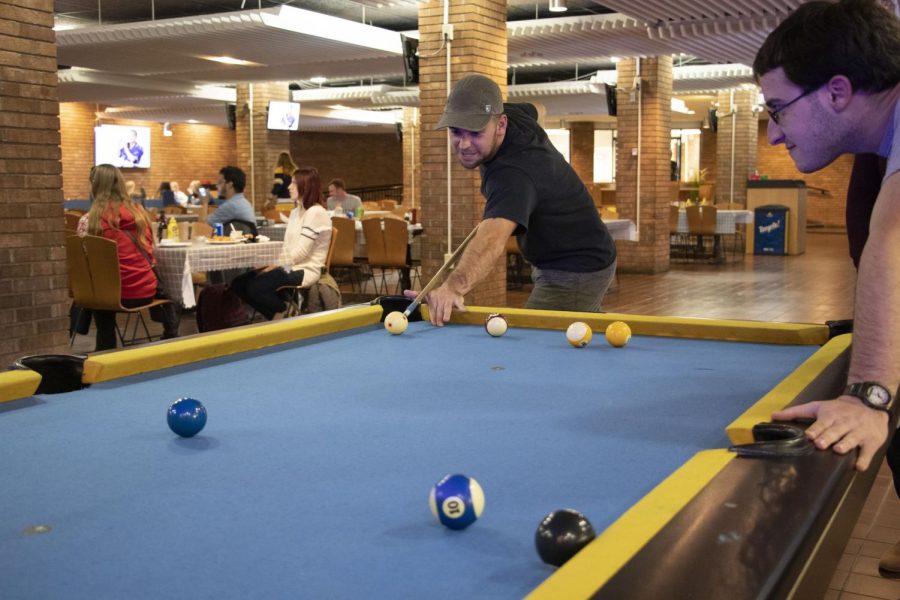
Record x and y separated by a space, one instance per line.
323 295
219 308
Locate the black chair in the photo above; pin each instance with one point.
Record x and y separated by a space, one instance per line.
242 226
168 198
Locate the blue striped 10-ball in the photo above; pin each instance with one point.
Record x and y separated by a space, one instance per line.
456 501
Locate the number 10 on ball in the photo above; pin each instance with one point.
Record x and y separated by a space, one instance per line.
456 501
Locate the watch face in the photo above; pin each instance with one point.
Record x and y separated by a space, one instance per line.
878 396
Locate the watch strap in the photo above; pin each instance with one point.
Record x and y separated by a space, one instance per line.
858 390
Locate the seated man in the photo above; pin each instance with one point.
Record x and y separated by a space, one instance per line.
339 199
234 206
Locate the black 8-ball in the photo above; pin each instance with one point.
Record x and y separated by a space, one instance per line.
561 535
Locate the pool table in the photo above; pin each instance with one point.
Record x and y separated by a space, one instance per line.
325 434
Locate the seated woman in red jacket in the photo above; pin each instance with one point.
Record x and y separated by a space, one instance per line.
114 215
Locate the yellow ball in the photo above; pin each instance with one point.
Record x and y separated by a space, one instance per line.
579 334
396 322
618 334
495 324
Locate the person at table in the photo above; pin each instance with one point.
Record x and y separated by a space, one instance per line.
303 253
339 200
193 191
531 192
180 197
281 182
116 217
824 101
233 205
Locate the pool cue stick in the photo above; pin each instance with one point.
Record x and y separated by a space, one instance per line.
441 272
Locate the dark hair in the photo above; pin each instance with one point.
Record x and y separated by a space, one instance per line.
856 38
309 186
165 186
235 176
338 183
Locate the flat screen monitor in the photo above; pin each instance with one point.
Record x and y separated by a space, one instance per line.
125 146
284 115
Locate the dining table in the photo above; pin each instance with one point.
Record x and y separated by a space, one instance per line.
175 263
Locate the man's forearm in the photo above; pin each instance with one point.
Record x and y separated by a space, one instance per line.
480 256
876 327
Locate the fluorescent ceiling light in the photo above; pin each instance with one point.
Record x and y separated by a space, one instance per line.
558 6
227 60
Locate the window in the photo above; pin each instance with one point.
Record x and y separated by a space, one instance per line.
685 156
604 155
560 140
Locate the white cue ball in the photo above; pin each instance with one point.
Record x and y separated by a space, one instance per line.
496 324
396 322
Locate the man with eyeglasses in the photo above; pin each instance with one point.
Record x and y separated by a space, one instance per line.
830 74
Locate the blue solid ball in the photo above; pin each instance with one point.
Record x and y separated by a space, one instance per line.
186 417
456 501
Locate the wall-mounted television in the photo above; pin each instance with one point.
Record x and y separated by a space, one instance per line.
283 115
125 146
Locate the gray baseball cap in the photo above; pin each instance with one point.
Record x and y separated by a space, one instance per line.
472 102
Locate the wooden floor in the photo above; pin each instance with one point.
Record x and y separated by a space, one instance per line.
813 288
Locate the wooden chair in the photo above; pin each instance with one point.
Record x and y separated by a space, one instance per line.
293 294
701 223
342 256
386 247
72 217
96 282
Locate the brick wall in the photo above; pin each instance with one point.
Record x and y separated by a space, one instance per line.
33 289
581 149
360 159
412 180
745 145
479 46
775 162
259 162
651 253
194 151
708 145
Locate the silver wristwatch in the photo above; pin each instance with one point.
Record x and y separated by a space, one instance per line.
873 395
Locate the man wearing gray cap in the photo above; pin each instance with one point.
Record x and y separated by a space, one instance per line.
531 192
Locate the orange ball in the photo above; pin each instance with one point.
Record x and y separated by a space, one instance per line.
618 334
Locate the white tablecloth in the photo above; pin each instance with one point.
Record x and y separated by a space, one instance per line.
175 264
621 229
725 220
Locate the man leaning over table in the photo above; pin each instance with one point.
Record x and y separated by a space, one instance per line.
531 192
830 74
235 206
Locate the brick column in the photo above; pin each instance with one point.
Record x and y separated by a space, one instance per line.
651 253
581 150
266 144
33 296
745 125
479 46
412 150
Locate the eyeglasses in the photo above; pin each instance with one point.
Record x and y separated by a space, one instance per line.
775 115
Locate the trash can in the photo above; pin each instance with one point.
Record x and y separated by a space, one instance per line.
59 372
770 223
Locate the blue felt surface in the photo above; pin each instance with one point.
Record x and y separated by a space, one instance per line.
311 477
